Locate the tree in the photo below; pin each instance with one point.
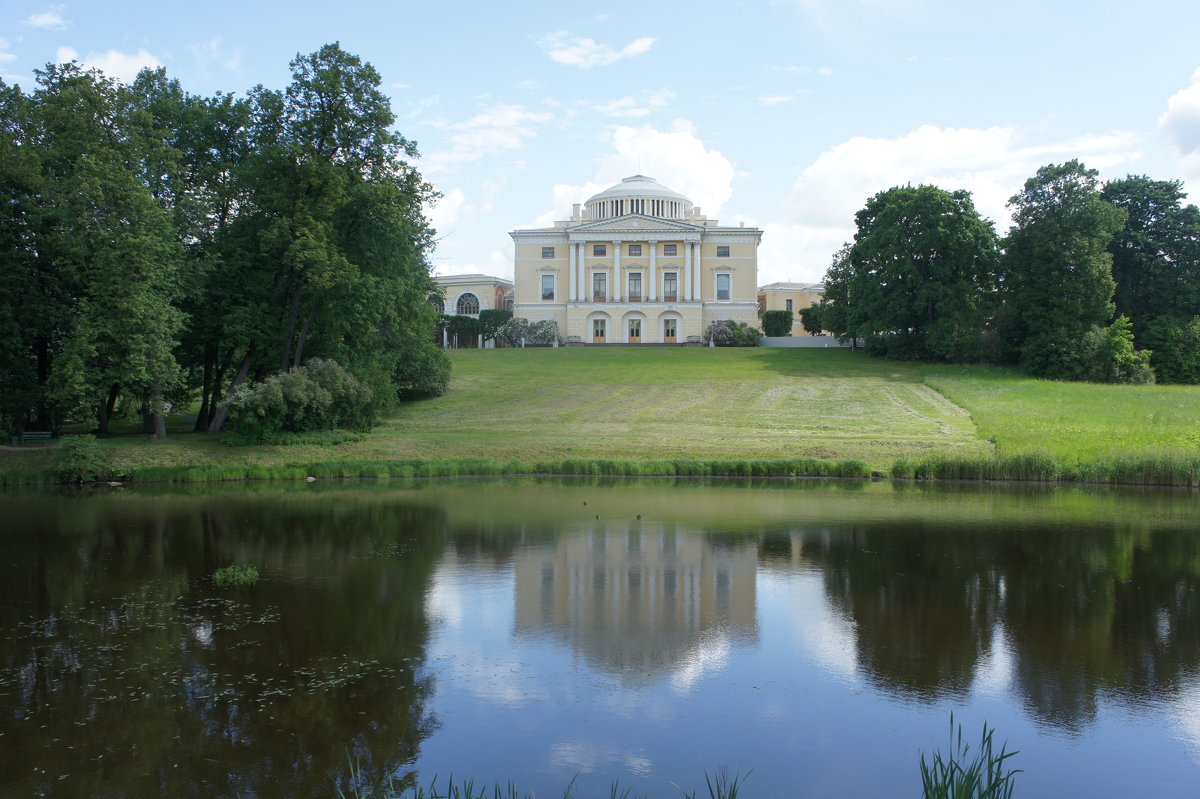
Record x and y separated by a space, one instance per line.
777 323
106 251
831 314
1057 271
331 259
1156 255
491 320
919 280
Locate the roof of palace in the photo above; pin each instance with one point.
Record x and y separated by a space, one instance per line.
638 186
793 287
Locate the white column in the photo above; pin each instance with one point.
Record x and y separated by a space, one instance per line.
697 289
651 291
572 278
616 292
686 277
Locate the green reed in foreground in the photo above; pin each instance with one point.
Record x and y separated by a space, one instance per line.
966 774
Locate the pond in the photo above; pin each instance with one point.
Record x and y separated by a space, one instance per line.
813 637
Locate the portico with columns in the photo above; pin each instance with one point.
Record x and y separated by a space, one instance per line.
636 264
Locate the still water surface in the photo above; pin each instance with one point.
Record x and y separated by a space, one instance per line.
819 634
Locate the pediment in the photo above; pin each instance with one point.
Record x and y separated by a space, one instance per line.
636 224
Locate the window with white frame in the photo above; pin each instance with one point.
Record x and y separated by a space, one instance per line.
788 305
468 304
599 249
599 287
547 252
547 287
635 249
722 287
670 249
635 286
670 286
722 250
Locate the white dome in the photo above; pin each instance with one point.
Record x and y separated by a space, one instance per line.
638 194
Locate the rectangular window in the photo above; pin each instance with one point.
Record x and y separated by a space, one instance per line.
722 250
600 249
670 249
547 287
670 287
788 305
722 287
635 287
635 249
598 286
547 252
669 337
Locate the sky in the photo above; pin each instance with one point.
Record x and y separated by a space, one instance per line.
786 115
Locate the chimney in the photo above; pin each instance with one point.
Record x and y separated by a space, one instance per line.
575 212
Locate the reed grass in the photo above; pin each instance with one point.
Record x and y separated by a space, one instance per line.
964 773
720 785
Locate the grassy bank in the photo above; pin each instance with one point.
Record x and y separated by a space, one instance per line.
715 412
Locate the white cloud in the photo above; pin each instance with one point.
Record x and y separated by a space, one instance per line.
676 157
1181 125
6 56
991 163
49 20
446 211
630 107
210 53
825 72
776 99
113 63
495 129
580 52
624 107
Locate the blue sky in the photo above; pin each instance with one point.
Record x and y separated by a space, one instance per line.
786 115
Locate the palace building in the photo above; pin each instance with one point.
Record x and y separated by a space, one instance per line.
636 264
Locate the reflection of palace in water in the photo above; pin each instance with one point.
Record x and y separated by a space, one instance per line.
638 598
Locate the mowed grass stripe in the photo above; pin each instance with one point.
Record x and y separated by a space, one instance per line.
624 403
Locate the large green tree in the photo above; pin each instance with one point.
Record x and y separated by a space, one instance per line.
1156 255
97 260
331 258
920 277
1057 270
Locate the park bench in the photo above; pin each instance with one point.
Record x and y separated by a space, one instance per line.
31 435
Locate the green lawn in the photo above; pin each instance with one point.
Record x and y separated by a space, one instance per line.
699 403
1074 420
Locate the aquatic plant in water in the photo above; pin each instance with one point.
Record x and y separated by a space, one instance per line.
963 774
234 576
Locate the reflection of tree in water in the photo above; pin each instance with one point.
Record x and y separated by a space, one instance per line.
922 605
174 688
1086 612
638 599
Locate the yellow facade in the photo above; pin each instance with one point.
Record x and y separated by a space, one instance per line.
790 297
636 264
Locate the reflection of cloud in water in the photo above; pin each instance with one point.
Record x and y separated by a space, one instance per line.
444 600
582 757
473 609
1185 716
819 627
994 672
710 654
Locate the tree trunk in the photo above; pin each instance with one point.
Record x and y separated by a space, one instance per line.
304 331
113 392
102 418
210 356
289 336
160 426
222 412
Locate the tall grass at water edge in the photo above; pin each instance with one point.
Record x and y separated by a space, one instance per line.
1160 469
465 467
720 785
963 773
